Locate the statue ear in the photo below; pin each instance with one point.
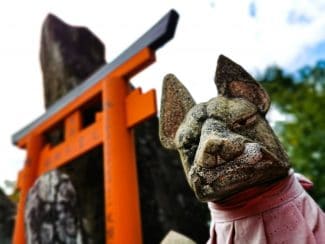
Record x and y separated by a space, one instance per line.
176 101
233 81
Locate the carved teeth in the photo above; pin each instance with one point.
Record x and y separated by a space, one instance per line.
252 154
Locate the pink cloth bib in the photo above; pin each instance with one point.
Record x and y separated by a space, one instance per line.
281 213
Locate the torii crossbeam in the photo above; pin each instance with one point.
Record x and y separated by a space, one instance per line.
120 109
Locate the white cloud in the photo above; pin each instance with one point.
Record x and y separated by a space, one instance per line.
206 29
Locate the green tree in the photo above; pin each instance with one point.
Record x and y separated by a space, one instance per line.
302 95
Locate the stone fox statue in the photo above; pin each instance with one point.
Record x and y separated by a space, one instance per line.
233 160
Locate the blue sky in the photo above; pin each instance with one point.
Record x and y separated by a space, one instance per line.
255 34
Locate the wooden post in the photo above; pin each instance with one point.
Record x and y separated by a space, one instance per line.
25 180
122 207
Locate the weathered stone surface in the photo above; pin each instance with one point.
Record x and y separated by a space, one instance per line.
226 145
175 238
51 213
7 214
166 202
68 56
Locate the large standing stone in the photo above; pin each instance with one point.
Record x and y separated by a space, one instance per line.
68 55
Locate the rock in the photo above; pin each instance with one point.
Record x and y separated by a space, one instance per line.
51 211
7 214
176 238
68 56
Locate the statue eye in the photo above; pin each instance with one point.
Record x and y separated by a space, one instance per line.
187 145
189 149
244 122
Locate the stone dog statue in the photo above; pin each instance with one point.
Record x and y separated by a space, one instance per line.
233 160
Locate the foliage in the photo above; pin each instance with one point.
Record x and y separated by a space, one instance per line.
302 95
12 187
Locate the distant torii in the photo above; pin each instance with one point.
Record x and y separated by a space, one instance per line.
121 110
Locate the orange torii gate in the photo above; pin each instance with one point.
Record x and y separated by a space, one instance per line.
120 110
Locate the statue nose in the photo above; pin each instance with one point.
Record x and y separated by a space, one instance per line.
208 153
213 146
215 151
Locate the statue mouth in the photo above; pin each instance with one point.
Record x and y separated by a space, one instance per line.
253 154
229 177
